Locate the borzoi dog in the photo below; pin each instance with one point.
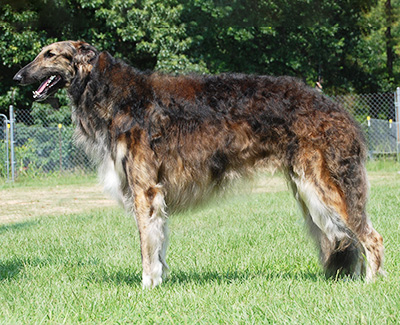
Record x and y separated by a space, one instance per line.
164 143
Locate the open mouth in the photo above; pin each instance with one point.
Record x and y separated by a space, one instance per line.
48 87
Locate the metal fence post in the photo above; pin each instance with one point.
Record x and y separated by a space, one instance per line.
6 142
60 145
12 121
397 118
7 149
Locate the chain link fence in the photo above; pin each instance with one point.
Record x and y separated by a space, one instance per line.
44 146
378 116
43 138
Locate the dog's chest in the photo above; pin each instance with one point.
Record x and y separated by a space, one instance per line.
112 174
94 142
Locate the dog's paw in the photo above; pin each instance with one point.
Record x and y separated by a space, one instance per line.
150 282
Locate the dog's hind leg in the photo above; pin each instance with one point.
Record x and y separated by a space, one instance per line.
337 250
372 242
324 244
336 216
152 223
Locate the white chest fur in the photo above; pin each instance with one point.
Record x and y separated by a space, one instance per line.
113 176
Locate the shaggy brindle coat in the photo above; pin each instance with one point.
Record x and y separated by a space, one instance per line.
164 143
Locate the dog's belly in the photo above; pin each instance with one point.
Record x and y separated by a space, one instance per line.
185 193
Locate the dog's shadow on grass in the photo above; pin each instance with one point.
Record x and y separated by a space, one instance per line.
119 277
235 276
11 268
217 277
18 226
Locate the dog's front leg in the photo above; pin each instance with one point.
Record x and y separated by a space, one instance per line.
152 223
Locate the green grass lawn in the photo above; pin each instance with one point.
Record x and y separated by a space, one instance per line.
245 259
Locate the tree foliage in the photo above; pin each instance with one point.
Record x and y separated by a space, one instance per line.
343 43
382 36
310 39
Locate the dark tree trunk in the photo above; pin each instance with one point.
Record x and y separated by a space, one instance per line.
389 38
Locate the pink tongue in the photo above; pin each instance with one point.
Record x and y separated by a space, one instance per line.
42 87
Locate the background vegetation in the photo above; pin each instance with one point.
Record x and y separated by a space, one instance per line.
350 46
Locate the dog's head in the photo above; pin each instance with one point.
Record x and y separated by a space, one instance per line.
56 66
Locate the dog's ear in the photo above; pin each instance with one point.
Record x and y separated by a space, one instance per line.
88 51
85 53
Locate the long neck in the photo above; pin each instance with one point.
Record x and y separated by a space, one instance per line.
111 90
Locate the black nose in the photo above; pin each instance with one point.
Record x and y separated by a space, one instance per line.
18 77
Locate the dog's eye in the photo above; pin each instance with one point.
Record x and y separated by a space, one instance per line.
49 54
